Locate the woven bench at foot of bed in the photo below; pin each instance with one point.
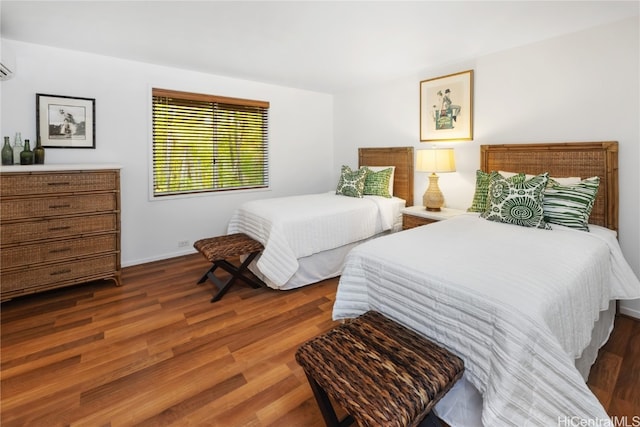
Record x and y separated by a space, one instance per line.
218 250
380 372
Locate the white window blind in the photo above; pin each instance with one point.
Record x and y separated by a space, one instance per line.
207 143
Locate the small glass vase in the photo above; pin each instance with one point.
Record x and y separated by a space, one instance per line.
26 156
38 153
7 152
17 148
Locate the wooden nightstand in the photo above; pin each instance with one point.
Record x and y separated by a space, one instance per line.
416 216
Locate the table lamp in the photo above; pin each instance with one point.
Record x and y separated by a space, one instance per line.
434 160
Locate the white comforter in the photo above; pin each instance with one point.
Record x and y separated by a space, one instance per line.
517 304
299 226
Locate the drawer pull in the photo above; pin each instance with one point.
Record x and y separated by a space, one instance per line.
57 251
58 183
56 273
63 227
60 206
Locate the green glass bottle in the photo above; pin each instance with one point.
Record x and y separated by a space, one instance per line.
38 153
7 152
26 156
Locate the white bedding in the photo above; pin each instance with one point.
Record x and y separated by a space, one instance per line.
300 226
517 304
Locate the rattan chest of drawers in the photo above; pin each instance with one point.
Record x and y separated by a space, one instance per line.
58 227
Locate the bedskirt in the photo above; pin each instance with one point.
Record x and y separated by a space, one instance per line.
314 268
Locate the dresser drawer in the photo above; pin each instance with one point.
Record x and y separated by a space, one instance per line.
30 231
411 221
20 281
40 253
43 207
25 184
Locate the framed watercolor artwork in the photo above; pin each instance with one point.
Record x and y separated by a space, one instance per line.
66 121
446 108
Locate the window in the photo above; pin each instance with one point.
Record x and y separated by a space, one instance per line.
206 143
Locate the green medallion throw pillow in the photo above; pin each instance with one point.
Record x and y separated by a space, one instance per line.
517 203
351 182
479 203
377 183
571 205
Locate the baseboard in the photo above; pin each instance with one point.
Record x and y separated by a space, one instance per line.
186 251
630 312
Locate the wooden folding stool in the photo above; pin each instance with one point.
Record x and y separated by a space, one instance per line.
219 249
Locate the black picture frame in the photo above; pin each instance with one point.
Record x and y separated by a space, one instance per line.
65 121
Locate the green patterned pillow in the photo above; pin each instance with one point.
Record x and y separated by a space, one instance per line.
479 203
517 203
571 205
351 182
377 183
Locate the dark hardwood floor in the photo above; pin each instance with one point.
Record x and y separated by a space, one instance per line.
155 352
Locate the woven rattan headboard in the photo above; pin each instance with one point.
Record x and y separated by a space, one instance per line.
583 159
401 158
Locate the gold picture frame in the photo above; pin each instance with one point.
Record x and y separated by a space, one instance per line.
446 108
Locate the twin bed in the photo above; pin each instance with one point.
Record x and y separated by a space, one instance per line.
307 237
526 308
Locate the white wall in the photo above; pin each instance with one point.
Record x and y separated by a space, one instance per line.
300 122
579 87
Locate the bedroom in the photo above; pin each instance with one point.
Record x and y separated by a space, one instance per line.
589 76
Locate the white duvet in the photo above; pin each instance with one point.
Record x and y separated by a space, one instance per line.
300 226
517 304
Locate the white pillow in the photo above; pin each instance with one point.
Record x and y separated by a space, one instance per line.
379 168
572 180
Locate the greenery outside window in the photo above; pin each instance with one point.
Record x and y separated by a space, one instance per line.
207 143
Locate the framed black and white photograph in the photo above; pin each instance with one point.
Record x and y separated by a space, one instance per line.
66 121
446 108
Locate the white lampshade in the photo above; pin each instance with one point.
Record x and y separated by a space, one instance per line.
436 160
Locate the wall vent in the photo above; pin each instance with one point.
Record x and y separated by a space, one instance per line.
5 72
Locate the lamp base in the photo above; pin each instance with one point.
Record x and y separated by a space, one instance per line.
433 209
433 199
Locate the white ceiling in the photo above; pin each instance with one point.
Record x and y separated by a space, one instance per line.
327 46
